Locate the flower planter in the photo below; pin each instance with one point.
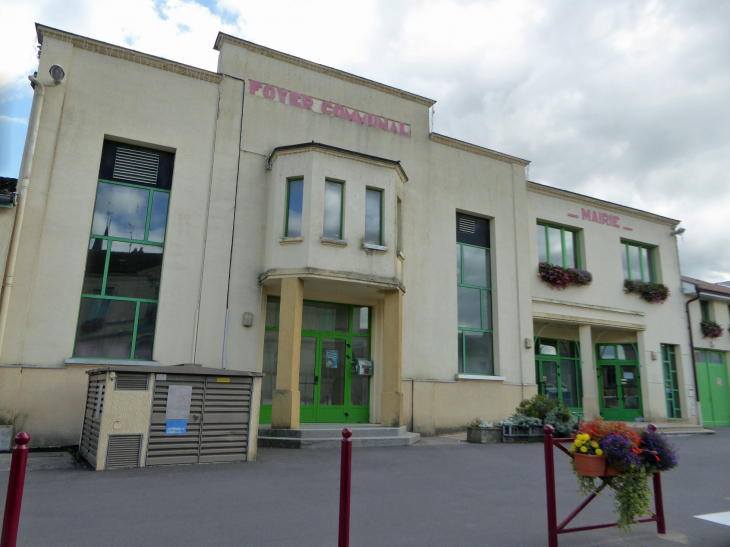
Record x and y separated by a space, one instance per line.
484 435
517 434
593 466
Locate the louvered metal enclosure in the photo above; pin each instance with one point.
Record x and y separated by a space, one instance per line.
146 415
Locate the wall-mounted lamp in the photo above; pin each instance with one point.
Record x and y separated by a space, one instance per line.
57 73
528 343
654 356
247 319
678 232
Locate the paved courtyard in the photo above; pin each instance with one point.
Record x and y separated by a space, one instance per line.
438 492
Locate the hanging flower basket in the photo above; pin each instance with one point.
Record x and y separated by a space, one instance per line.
654 293
593 466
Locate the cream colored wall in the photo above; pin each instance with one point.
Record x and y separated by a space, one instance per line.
7 220
604 305
719 312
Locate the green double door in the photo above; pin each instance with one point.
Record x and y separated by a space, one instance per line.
619 382
557 368
330 391
712 381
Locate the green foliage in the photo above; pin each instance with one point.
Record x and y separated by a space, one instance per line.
520 420
537 407
563 421
481 422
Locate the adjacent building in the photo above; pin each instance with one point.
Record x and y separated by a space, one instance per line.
282 216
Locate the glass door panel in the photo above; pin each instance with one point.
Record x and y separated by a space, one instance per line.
359 384
333 366
307 371
569 384
550 379
630 388
609 388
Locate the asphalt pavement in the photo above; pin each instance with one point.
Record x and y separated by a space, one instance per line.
433 493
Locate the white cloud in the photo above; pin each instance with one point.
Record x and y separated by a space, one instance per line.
8 119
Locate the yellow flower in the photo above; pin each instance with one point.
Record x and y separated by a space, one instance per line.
594 444
583 449
573 448
599 452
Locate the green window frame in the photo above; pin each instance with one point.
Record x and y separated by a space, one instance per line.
466 328
290 228
329 212
705 310
369 192
141 321
631 253
671 381
550 236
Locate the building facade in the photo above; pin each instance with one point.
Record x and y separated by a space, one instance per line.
282 216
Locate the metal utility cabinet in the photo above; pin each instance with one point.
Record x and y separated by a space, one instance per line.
145 415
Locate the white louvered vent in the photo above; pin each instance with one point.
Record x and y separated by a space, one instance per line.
136 166
466 225
123 451
131 382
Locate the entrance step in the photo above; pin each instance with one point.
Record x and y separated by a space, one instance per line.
675 428
330 436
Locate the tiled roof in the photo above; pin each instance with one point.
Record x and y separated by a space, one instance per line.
709 287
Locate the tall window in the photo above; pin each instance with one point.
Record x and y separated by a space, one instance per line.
373 216
333 192
294 200
399 225
671 381
558 246
705 310
124 258
638 261
474 295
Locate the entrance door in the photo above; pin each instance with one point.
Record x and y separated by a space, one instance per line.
619 382
712 381
330 391
558 372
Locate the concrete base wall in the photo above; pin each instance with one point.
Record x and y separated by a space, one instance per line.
435 408
46 403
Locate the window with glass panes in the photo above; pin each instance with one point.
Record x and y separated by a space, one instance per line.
333 209
558 371
558 245
374 216
705 310
474 296
294 204
638 261
121 285
671 381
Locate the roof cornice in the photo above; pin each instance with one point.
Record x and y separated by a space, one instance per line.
339 152
607 205
322 69
103 48
474 149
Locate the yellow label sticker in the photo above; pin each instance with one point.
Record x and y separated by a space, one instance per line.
224 380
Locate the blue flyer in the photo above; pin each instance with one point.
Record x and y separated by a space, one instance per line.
331 359
176 427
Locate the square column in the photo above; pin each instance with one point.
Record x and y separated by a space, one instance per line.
591 408
285 404
391 406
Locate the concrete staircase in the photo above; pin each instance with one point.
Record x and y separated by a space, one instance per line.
330 436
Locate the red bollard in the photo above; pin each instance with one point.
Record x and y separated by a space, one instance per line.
16 480
345 481
552 509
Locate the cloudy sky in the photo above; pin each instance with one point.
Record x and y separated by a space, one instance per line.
625 100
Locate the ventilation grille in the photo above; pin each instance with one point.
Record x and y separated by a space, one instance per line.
131 382
466 225
136 166
92 418
123 451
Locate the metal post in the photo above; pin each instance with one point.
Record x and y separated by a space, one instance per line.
16 479
661 525
552 513
345 483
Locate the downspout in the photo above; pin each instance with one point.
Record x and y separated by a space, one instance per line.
24 176
692 353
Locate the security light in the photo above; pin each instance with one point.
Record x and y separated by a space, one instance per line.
677 232
57 73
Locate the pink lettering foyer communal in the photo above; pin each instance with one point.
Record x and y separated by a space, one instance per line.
299 100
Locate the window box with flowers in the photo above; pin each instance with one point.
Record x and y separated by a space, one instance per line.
623 459
711 329
654 293
560 278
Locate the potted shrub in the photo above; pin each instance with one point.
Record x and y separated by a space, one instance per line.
481 431
624 459
531 414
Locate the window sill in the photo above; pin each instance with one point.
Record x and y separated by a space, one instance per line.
333 242
401 256
480 377
370 248
113 362
290 240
